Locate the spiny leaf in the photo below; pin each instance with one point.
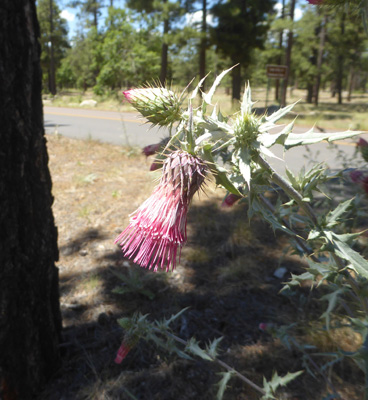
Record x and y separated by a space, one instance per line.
220 173
208 97
211 348
226 376
358 263
334 216
311 137
244 165
247 103
194 348
269 140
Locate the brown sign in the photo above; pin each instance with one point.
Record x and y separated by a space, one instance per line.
276 71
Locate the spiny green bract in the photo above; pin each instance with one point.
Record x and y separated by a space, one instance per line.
246 129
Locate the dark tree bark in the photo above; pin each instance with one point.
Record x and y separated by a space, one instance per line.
30 321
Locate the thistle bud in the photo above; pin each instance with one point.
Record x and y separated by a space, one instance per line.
129 341
159 105
230 200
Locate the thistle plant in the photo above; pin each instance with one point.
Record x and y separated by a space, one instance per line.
235 150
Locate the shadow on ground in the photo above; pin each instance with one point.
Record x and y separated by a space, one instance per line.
226 278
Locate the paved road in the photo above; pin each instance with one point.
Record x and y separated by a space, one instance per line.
128 129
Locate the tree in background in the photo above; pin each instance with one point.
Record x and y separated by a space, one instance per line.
345 46
30 320
83 61
305 52
242 27
129 56
168 13
89 8
53 39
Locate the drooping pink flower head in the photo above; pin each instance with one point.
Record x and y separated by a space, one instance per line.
230 200
159 105
157 229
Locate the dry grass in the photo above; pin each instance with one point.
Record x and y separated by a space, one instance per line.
328 115
225 276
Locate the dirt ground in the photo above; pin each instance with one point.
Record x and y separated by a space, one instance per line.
225 277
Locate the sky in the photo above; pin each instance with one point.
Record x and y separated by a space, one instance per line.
70 15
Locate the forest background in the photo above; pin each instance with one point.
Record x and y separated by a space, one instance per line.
116 45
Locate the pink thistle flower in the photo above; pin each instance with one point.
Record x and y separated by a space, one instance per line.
129 341
157 229
122 353
230 200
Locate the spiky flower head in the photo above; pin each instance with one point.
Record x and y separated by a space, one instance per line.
159 105
157 229
246 129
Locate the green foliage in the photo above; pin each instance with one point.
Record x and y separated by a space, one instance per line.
133 282
59 37
270 387
237 20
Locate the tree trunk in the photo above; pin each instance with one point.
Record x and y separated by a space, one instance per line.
351 82
203 45
30 320
309 98
340 62
164 52
320 59
288 55
236 81
279 60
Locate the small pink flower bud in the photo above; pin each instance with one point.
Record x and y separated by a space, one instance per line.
151 149
230 200
362 143
262 326
129 341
